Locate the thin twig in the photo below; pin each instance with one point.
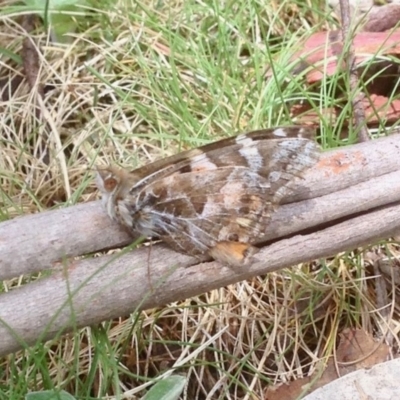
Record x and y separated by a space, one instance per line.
356 95
31 64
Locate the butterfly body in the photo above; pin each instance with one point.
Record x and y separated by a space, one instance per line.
215 200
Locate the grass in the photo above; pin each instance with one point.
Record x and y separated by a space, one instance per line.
136 82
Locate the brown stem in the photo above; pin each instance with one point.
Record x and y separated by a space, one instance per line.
349 57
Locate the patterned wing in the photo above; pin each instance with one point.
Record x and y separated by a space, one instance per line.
226 194
206 207
223 152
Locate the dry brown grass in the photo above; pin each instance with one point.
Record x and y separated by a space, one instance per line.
133 86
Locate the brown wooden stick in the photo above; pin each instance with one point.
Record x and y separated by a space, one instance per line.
92 290
36 242
84 292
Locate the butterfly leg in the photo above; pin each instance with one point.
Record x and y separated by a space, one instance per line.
234 254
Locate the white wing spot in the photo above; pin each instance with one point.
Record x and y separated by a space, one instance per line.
252 157
244 222
201 163
210 209
244 140
280 132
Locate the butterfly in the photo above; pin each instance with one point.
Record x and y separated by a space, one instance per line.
213 201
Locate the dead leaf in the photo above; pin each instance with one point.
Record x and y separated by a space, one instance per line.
357 350
382 18
320 53
377 109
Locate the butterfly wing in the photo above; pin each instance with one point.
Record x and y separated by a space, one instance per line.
207 207
216 154
226 193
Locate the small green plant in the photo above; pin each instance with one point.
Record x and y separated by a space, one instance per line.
49 395
60 15
167 389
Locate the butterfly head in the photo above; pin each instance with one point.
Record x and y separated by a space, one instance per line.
112 183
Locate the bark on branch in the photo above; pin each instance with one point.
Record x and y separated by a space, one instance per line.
348 200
